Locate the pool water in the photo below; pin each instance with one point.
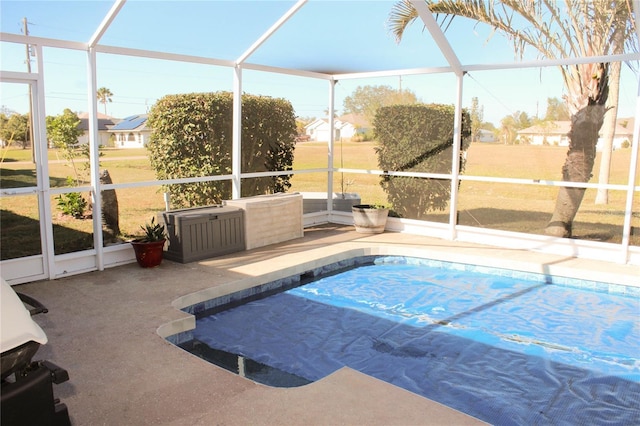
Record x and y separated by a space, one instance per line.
504 349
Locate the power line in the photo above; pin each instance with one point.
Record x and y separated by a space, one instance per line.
498 100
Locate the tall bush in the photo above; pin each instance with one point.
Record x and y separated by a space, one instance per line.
418 138
192 136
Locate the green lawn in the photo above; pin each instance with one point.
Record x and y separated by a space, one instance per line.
522 208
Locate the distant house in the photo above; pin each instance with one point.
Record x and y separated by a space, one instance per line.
359 121
131 132
104 124
485 135
556 133
549 133
345 127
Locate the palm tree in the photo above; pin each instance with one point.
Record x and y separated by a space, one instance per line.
511 124
574 28
104 95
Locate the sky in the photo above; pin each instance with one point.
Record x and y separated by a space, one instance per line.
341 36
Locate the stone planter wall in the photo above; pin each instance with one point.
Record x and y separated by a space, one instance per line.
317 201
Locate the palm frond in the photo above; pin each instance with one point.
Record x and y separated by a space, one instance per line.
402 14
554 29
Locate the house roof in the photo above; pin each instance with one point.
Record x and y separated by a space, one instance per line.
627 123
134 122
99 115
357 120
105 122
315 123
624 131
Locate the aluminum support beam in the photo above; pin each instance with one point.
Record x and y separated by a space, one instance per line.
455 159
236 139
437 34
94 158
633 173
104 25
40 144
270 31
331 144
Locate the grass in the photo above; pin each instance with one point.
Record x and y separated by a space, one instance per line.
521 208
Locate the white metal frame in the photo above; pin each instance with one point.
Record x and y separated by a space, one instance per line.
101 257
38 266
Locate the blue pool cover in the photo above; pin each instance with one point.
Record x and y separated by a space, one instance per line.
504 350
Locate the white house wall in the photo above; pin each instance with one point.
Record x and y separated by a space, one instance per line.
131 140
103 138
320 130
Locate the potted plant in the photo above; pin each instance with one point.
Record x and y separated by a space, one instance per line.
369 218
149 249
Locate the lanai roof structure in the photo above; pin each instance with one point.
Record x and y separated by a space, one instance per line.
249 46
111 328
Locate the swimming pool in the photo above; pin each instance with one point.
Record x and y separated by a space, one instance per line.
503 346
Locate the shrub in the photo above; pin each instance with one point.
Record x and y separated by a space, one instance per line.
153 232
363 137
72 203
418 138
192 136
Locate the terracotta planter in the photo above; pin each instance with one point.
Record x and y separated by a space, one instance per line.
148 254
369 219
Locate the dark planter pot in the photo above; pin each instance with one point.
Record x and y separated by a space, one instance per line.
368 219
148 254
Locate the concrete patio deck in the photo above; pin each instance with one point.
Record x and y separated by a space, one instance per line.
102 327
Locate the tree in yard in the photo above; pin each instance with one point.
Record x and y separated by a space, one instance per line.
63 132
556 110
556 30
15 128
366 100
510 125
477 115
301 123
104 95
4 140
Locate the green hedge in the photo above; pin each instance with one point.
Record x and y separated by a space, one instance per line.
192 137
418 138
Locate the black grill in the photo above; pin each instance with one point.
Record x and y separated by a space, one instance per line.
27 386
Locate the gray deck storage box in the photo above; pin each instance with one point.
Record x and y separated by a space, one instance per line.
203 232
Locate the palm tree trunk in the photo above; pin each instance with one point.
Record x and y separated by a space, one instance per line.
602 196
585 125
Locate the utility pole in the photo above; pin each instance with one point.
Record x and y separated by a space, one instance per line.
30 121
25 30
